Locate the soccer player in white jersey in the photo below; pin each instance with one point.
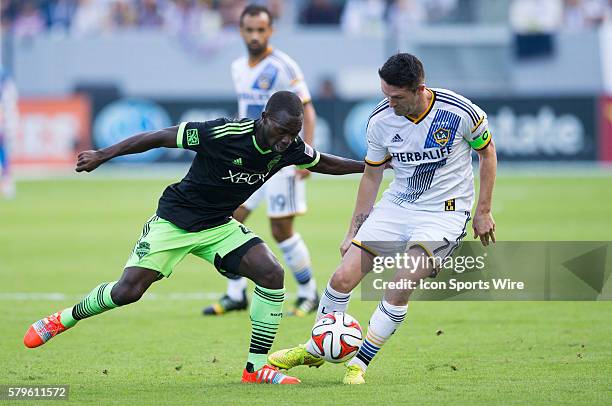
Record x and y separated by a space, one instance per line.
427 135
256 77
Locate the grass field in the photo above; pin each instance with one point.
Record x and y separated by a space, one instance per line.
67 236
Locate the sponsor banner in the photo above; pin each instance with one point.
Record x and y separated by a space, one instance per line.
124 117
605 129
524 129
51 132
543 128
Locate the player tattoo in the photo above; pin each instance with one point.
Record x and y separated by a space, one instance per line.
359 220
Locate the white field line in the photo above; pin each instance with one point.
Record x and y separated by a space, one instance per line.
57 296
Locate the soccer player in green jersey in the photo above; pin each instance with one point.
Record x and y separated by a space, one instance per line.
194 216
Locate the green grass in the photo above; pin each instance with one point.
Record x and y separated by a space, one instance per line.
68 236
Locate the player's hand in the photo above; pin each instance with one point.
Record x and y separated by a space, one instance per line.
302 173
346 244
484 227
87 161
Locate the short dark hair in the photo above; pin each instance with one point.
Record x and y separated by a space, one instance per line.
255 10
403 70
285 101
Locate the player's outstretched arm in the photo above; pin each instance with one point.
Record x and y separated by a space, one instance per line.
335 165
366 196
89 160
483 223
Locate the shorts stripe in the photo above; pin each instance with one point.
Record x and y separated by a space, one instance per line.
363 247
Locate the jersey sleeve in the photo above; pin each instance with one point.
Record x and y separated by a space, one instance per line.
295 81
301 154
478 134
196 136
377 154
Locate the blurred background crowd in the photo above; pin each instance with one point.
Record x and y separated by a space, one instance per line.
92 17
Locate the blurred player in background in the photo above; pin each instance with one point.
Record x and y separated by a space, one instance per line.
9 118
428 136
256 77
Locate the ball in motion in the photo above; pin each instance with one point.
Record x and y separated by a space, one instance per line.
337 337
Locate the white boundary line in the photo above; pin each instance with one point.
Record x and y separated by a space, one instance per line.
175 172
57 296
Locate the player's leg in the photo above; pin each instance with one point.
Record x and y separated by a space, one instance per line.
387 317
260 266
106 296
237 250
335 299
286 198
381 225
145 266
297 257
434 232
235 298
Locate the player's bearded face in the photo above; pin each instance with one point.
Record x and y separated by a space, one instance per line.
256 31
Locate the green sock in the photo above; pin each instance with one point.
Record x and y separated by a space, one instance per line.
266 314
98 301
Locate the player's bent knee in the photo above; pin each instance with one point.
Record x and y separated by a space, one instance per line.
133 284
262 267
123 294
271 278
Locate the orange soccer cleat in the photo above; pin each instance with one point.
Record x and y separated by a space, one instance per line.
43 330
268 374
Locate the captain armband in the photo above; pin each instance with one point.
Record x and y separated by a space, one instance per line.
481 141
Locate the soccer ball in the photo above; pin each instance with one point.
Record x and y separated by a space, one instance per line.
336 337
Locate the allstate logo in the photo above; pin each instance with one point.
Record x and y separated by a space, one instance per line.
355 127
126 117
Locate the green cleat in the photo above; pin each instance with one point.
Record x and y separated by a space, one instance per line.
293 357
353 375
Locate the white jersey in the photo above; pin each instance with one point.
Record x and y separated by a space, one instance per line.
431 155
255 84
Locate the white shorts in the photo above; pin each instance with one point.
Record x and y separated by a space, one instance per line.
285 195
439 233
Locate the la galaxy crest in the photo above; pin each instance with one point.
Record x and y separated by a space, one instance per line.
265 80
441 136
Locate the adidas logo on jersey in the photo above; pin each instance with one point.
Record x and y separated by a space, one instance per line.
237 161
397 138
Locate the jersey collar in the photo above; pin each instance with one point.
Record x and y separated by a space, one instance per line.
258 148
426 112
266 54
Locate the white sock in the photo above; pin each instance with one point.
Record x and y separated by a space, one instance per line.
308 290
235 287
297 258
383 323
331 301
